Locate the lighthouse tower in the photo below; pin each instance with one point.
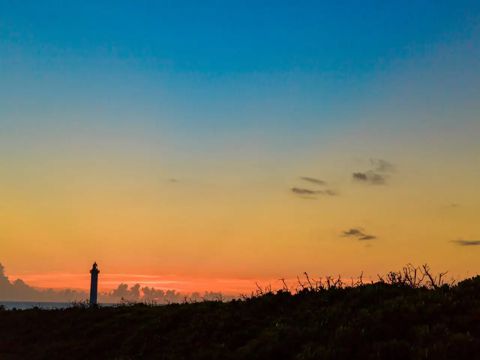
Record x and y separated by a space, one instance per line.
94 284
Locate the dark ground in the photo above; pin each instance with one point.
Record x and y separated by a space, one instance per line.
375 321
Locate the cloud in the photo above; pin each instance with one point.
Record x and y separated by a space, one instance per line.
313 180
381 165
377 175
453 205
18 290
151 295
303 191
122 292
370 177
308 192
461 242
359 234
164 296
360 176
353 232
368 237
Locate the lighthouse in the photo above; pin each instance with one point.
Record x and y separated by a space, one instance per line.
94 284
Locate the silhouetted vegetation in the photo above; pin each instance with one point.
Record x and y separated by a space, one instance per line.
408 314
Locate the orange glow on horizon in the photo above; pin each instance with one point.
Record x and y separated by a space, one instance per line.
108 282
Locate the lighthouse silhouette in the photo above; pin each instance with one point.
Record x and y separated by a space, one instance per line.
94 284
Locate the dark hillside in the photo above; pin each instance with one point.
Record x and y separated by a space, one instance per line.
375 321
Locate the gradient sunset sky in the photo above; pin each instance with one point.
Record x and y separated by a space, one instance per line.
218 143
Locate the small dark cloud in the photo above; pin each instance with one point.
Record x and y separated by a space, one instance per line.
359 234
367 237
360 176
308 192
173 180
461 242
313 180
303 191
353 232
370 177
377 175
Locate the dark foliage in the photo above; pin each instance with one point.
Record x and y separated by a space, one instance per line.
390 319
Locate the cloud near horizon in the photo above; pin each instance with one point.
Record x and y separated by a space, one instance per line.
18 290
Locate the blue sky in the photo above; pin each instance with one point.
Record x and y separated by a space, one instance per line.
213 50
281 70
203 75
348 38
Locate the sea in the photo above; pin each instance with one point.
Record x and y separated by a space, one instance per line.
25 305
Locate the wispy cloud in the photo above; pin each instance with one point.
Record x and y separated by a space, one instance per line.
381 165
303 191
358 234
353 232
367 237
309 192
313 180
370 177
377 175
461 242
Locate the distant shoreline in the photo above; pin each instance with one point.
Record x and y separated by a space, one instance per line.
44 305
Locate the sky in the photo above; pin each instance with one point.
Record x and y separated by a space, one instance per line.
220 143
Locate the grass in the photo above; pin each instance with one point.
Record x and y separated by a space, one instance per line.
402 316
